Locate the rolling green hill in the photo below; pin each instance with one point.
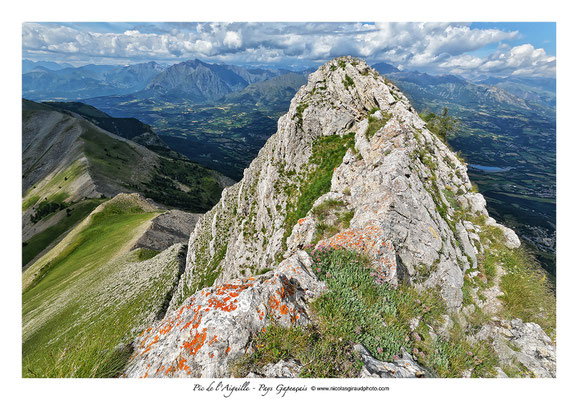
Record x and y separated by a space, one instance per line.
90 295
68 160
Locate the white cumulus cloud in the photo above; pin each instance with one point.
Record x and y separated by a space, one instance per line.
437 47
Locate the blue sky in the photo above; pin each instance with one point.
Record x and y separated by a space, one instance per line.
468 49
538 34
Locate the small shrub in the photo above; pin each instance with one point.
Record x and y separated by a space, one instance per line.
340 221
299 113
323 210
375 124
347 82
440 125
47 208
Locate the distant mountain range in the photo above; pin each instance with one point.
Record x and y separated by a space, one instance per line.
87 81
524 93
198 82
192 80
29 66
276 91
538 90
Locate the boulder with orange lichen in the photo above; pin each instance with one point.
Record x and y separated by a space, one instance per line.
215 326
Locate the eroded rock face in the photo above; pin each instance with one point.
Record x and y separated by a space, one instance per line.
404 367
524 344
171 227
402 180
214 326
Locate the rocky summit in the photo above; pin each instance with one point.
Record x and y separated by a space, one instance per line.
352 169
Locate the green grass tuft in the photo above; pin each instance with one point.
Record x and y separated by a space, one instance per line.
528 293
348 82
299 113
358 309
143 254
341 219
327 154
375 124
528 290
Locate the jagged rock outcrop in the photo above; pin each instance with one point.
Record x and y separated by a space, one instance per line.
171 227
401 367
401 179
522 346
395 192
215 326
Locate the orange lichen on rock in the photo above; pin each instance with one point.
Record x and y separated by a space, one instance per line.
261 314
181 364
365 240
368 240
213 340
274 302
195 344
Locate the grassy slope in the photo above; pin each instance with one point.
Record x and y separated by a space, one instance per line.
119 165
57 188
42 240
71 303
172 182
111 159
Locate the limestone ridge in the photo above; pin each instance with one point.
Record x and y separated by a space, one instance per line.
397 181
406 197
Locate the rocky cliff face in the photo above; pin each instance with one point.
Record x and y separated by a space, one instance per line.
351 166
399 180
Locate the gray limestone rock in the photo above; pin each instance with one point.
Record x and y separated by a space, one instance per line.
401 367
215 326
174 226
282 369
523 343
387 180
